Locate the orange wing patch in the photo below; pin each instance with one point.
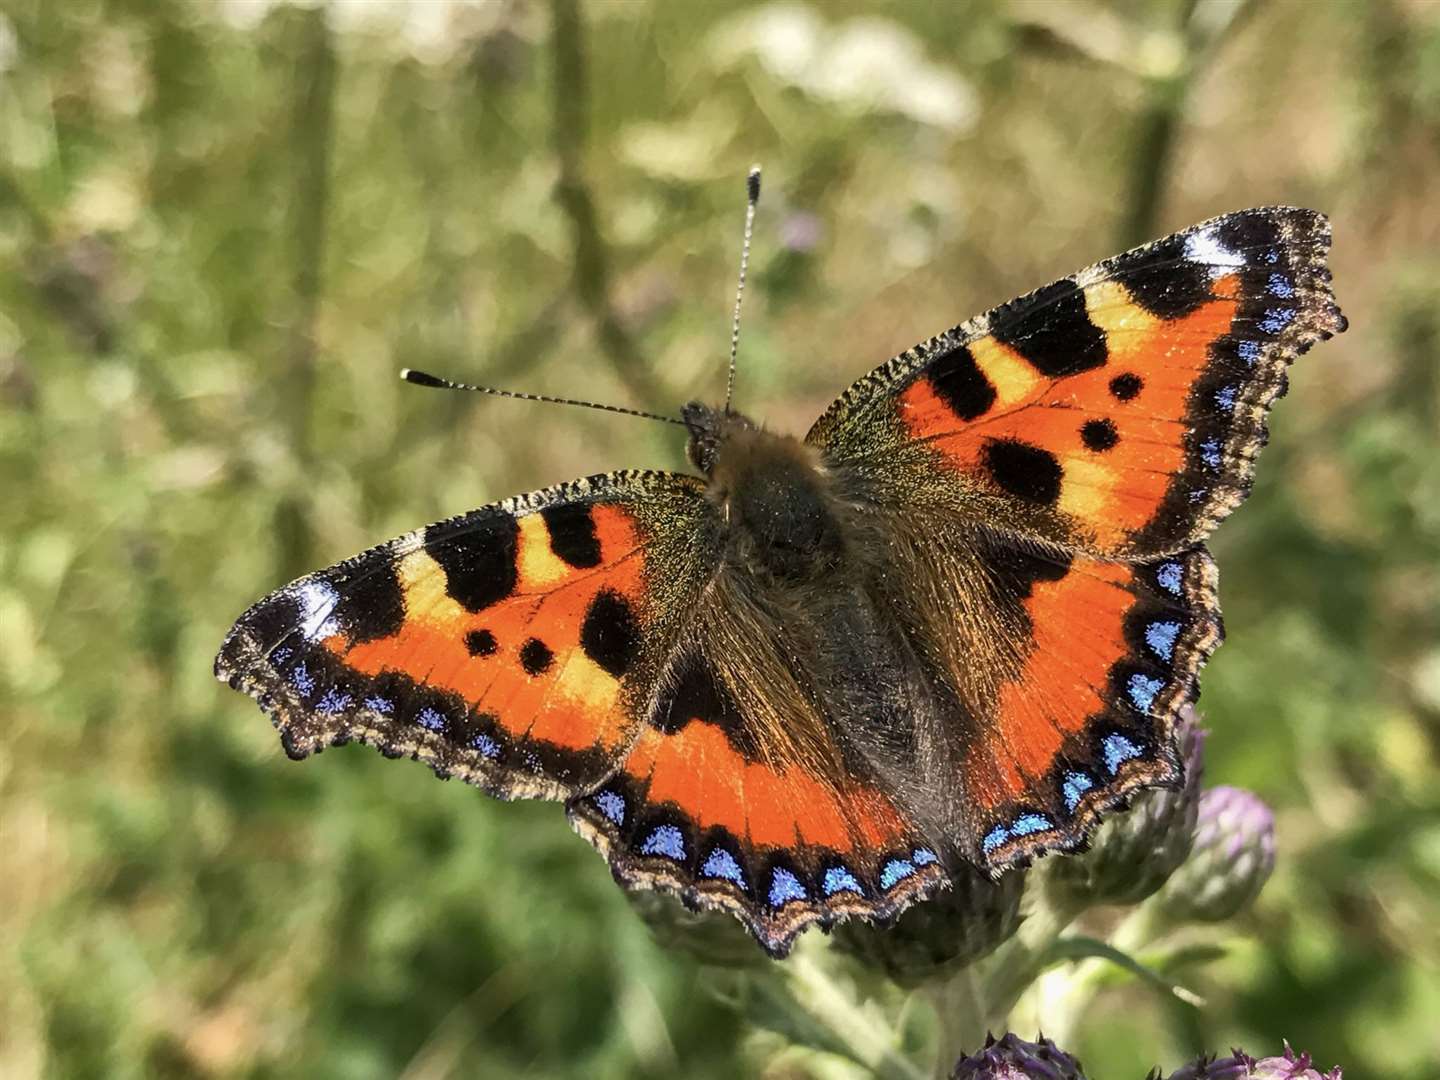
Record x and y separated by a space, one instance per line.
1114 651
697 810
522 659
1099 447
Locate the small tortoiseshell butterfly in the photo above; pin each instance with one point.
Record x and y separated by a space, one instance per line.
951 625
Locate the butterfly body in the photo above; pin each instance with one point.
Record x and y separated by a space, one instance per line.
950 627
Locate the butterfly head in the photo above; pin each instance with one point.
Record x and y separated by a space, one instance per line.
709 429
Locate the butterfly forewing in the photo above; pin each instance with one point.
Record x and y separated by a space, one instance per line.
1117 411
506 646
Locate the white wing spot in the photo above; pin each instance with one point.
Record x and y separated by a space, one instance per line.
1205 247
317 605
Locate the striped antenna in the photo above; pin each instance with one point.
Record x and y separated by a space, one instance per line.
752 189
423 378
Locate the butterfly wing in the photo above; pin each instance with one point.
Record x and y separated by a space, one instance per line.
1117 411
508 646
1104 654
1048 472
705 808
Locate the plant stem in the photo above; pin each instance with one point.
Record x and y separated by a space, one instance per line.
961 1011
311 132
1019 961
592 261
868 1041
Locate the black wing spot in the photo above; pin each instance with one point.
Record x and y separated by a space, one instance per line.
610 635
1051 329
1099 435
1163 281
480 643
536 657
1016 569
479 564
1127 386
961 385
572 534
373 605
696 694
1025 471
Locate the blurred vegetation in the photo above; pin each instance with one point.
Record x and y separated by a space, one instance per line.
225 224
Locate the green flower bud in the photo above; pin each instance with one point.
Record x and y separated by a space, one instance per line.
1015 1059
1231 860
1132 853
942 934
710 936
1241 1066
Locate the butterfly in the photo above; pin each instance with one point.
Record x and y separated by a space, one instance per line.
952 626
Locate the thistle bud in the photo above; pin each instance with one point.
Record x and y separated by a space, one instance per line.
1241 1066
942 934
1013 1058
1233 855
711 937
1132 854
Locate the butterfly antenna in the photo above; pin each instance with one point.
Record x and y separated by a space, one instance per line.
752 189
423 378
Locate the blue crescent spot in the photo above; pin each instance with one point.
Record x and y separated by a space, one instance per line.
382 705
721 864
1280 286
665 840
994 838
1225 397
839 879
1075 786
1142 691
1160 636
923 856
1272 256
1118 749
431 719
612 805
334 701
1029 824
894 872
301 679
784 887
280 655
1249 351
487 746
1210 452
1170 576
1276 319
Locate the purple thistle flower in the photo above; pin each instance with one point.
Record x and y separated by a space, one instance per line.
1241 1066
1012 1058
801 231
1232 858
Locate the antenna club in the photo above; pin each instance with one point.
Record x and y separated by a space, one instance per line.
752 184
421 378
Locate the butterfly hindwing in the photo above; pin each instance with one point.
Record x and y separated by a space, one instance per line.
1111 653
507 646
701 808
1119 410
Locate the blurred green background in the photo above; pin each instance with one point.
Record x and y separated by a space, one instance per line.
224 225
